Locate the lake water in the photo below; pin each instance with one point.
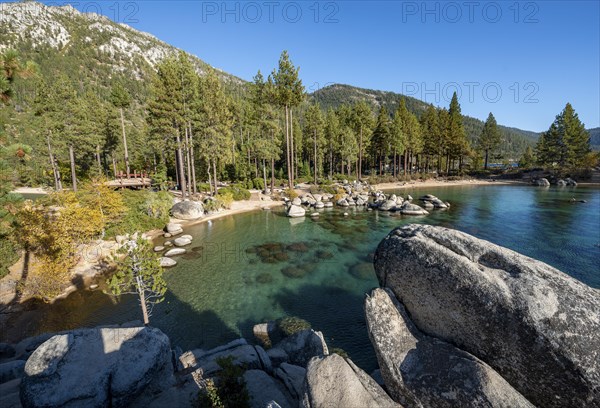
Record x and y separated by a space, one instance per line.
321 269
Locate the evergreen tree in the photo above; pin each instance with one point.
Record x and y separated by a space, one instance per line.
489 138
139 273
528 158
431 133
121 99
458 143
380 140
566 143
289 93
363 122
314 128
332 131
215 125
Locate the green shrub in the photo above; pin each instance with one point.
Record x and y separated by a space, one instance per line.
237 192
213 204
203 187
141 208
291 325
259 184
9 254
225 198
231 391
329 189
340 352
290 193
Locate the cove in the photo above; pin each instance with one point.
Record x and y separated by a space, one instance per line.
247 268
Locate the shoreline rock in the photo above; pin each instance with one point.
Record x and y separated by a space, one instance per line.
509 310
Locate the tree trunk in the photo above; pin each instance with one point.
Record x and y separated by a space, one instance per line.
315 157
195 187
293 155
124 142
73 175
330 161
98 158
264 174
486 159
182 184
189 162
215 175
405 161
287 141
210 181
140 288
447 164
57 183
394 164
360 154
272 175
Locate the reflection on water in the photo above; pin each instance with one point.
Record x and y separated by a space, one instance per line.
248 268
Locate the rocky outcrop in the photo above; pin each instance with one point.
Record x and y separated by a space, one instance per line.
187 210
97 368
302 346
412 209
537 327
166 262
422 371
333 381
173 228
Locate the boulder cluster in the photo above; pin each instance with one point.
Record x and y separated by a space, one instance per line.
457 321
362 195
174 247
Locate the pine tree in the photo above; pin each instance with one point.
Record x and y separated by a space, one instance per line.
528 158
431 133
489 138
363 122
380 140
289 94
566 143
215 124
121 99
314 128
139 273
458 143
332 131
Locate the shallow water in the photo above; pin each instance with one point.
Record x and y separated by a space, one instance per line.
222 287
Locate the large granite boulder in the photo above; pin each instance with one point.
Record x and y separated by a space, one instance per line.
187 210
537 327
388 205
97 368
419 370
296 211
408 208
333 381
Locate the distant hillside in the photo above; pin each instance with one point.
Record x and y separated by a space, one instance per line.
595 138
515 140
88 47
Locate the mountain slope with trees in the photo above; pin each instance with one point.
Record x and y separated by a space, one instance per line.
514 141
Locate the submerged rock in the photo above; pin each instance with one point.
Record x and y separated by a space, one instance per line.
175 251
421 370
181 241
167 262
97 368
536 326
333 381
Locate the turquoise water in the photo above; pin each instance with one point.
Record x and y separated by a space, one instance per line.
222 287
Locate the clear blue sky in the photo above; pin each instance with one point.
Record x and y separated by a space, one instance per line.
539 55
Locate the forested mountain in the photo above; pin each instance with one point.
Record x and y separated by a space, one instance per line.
514 141
85 61
595 138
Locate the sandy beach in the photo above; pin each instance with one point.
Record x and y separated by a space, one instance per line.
442 183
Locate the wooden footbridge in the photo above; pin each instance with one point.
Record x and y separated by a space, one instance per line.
134 180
